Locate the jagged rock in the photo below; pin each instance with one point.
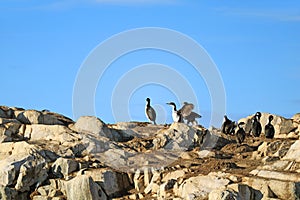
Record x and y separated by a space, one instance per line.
200 186
30 117
51 118
62 167
93 125
156 176
294 152
133 196
6 120
152 187
59 133
138 181
113 183
277 148
43 191
147 176
161 161
213 140
206 154
116 158
10 131
106 151
296 118
8 171
177 137
48 191
174 175
7 193
164 188
154 184
6 112
40 197
83 187
284 176
4 137
282 125
270 188
33 171
37 117
13 156
223 195
246 192
137 129
280 165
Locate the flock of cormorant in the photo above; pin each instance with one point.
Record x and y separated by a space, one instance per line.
228 126
184 113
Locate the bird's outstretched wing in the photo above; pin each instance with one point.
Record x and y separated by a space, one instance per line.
192 116
186 109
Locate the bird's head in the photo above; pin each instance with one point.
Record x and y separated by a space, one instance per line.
258 114
241 124
271 118
172 104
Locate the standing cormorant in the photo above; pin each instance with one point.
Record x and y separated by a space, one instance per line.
192 118
240 134
269 129
176 115
228 126
150 112
188 114
186 109
256 126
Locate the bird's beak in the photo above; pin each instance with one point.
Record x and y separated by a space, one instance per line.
168 103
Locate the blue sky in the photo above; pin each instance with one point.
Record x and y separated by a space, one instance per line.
254 44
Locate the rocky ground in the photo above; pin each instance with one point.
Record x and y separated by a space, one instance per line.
46 156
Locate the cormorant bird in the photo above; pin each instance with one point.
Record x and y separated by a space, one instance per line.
269 129
228 126
192 118
186 109
240 134
188 114
256 126
176 115
150 112
258 114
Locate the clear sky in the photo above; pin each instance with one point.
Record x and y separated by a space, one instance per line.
254 44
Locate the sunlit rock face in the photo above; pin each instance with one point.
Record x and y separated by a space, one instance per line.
46 155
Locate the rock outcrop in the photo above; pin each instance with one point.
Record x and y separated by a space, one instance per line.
45 155
284 128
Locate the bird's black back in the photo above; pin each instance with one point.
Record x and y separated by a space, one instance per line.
269 131
256 128
228 127
240 135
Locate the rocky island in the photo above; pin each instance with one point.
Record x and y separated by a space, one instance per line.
47 156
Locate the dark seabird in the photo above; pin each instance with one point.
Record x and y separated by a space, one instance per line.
150 112
176 115
240 134
191 118
188 114
258 114
186 109
228 126
269 129
255 125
